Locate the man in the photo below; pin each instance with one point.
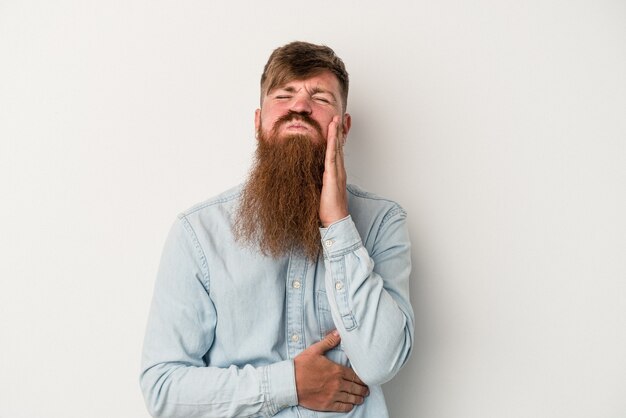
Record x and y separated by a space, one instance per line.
288 295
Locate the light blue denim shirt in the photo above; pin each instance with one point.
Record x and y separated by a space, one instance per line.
226 322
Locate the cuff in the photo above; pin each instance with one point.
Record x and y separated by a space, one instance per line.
340 237
279 383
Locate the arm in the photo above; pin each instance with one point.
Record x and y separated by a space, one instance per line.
175 379
368 293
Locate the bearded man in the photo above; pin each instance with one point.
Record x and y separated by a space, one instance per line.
289 295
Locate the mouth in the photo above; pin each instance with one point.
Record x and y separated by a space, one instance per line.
297 126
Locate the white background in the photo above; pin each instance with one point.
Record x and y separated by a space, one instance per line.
499 126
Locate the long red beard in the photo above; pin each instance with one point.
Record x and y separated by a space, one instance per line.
279 209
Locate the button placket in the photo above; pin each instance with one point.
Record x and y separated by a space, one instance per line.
295 305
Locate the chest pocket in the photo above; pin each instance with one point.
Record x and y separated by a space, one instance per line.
326 325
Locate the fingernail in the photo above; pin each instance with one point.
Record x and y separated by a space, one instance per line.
336 333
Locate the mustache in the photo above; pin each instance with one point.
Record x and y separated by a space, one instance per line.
301 116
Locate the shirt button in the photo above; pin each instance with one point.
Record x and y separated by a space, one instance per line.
296 284
295 338
338 285
328 243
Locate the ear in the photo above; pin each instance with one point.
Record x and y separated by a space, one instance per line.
257 121
347 123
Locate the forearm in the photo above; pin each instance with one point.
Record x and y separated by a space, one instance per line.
369 297
177 390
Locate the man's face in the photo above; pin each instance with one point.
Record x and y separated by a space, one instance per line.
318 96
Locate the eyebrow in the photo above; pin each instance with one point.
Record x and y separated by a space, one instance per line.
288 89
314 90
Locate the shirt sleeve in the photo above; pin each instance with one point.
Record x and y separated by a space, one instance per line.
175 379
368 294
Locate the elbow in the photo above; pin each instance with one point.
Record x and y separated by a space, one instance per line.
374 377
155 411
382 365
377 374
154 389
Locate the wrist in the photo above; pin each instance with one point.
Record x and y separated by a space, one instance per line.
328 222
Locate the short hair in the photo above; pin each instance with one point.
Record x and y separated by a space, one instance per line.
299 60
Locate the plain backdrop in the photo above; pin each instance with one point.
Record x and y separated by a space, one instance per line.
500 126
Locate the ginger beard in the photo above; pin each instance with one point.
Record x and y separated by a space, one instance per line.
279 208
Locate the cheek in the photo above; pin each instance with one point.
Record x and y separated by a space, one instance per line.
324 122
324 132
268 120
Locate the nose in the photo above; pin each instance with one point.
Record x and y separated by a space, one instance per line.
301 104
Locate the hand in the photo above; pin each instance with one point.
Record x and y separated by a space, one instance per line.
323 385
334 198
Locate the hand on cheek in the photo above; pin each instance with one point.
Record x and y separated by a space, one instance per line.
334 198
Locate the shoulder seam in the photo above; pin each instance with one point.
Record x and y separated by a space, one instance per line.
355 190
395 210
211 202
196 243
